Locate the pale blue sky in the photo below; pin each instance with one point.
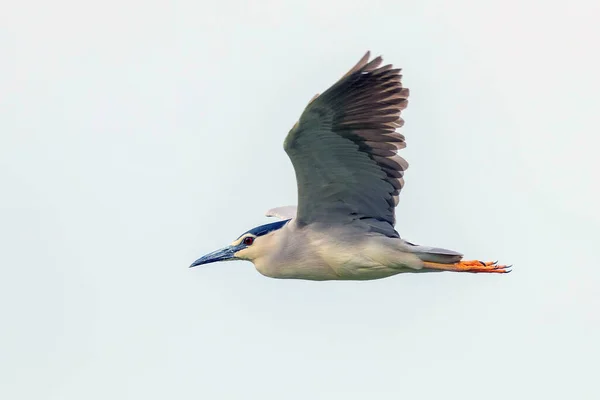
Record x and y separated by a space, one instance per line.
136 136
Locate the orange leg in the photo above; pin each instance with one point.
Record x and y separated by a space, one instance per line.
470 266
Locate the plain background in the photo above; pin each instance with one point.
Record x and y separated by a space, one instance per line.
135 136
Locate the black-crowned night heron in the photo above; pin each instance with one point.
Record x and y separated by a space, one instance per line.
349 176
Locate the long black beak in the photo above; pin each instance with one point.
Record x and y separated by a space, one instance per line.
224 254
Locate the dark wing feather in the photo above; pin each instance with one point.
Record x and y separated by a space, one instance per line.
344 146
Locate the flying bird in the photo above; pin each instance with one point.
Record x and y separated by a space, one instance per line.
349 175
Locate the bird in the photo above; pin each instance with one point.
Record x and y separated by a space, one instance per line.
344 150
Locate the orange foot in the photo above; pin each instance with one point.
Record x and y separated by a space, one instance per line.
471 266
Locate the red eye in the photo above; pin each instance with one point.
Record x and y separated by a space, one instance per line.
248 240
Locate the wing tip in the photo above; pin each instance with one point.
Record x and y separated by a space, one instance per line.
283 212
362 63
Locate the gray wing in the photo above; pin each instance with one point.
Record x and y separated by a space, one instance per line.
344 147
284 212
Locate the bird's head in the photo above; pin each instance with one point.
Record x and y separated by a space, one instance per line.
249 246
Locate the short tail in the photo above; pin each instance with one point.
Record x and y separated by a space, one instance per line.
435 254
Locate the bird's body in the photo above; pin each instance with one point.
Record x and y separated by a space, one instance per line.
349 175
316 254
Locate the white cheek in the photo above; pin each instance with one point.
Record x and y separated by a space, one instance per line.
244 254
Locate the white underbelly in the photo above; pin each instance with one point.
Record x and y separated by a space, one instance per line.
320 272
329 260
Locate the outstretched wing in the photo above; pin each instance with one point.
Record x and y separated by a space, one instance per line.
344 148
